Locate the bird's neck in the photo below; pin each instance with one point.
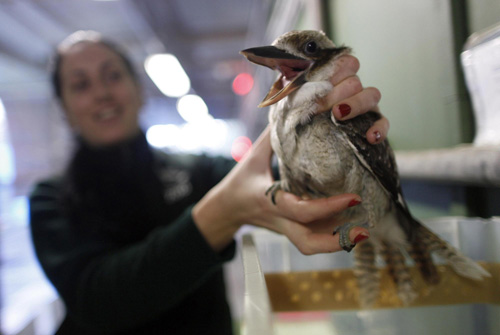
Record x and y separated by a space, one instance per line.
293 112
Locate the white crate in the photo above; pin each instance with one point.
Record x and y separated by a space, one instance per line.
264 252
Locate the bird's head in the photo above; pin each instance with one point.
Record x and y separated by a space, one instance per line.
298 55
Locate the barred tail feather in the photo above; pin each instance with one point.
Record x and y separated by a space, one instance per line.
460 263
420 253
400 273
367 274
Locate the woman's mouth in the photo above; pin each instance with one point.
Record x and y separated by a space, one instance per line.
107 114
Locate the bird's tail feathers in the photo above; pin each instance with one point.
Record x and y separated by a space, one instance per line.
367 274
423 245
420 253
399 272
429 242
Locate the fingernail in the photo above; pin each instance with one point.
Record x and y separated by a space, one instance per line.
344 109
378 136
354 202
361 237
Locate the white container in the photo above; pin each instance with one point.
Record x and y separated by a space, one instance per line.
266 254
481 64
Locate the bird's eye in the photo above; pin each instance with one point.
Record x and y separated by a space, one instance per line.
311 47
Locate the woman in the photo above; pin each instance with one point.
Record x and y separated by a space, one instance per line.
133 239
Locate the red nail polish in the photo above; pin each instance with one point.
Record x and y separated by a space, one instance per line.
360 238
353 203
344 109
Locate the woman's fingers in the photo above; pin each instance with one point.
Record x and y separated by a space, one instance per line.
378 132
310 243
344 81
355 104
352 100
349 87
294 208
349 99
308 224
347 66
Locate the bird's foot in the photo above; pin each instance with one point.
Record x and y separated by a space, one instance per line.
344 231
275 187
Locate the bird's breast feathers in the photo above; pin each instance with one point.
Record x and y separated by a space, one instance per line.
299 107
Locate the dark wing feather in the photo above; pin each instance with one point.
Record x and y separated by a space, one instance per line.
380 160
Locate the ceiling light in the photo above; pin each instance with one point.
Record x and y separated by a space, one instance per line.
168 75
7 165
163 135
209 136
192 108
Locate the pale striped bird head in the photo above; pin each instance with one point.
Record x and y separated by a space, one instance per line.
300 56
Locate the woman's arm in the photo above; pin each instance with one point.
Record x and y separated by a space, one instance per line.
105 286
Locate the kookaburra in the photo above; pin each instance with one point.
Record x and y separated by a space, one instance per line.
320 156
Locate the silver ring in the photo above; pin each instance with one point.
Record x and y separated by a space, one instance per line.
344 231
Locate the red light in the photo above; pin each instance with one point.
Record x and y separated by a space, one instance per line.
243 83
241 146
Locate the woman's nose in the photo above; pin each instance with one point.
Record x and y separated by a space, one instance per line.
101 90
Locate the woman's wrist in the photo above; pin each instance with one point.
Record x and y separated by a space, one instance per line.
214 220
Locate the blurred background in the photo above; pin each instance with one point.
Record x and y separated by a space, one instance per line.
408 49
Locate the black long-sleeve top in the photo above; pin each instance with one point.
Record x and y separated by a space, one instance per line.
115 236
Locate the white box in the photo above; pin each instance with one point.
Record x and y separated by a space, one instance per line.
274 267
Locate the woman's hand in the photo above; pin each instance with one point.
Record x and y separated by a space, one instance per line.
349 98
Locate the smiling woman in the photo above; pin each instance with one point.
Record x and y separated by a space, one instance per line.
101 96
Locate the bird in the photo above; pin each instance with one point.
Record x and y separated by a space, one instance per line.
319 156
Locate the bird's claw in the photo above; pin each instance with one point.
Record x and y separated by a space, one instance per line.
275 187
344 230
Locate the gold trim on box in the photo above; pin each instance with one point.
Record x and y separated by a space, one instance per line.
338 290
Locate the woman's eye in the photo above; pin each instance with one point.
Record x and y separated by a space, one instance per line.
311 47
79 86
114 76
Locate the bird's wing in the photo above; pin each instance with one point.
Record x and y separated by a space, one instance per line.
379 160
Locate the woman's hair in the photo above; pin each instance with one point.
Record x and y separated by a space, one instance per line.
78 37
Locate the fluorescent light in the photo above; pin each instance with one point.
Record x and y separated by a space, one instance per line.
168 75
163 135
7 165
192 108
209 136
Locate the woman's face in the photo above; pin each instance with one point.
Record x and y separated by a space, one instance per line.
100 97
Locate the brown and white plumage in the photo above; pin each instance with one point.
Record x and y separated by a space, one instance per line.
319 156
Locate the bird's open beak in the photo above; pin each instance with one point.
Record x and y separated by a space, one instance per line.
292 68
